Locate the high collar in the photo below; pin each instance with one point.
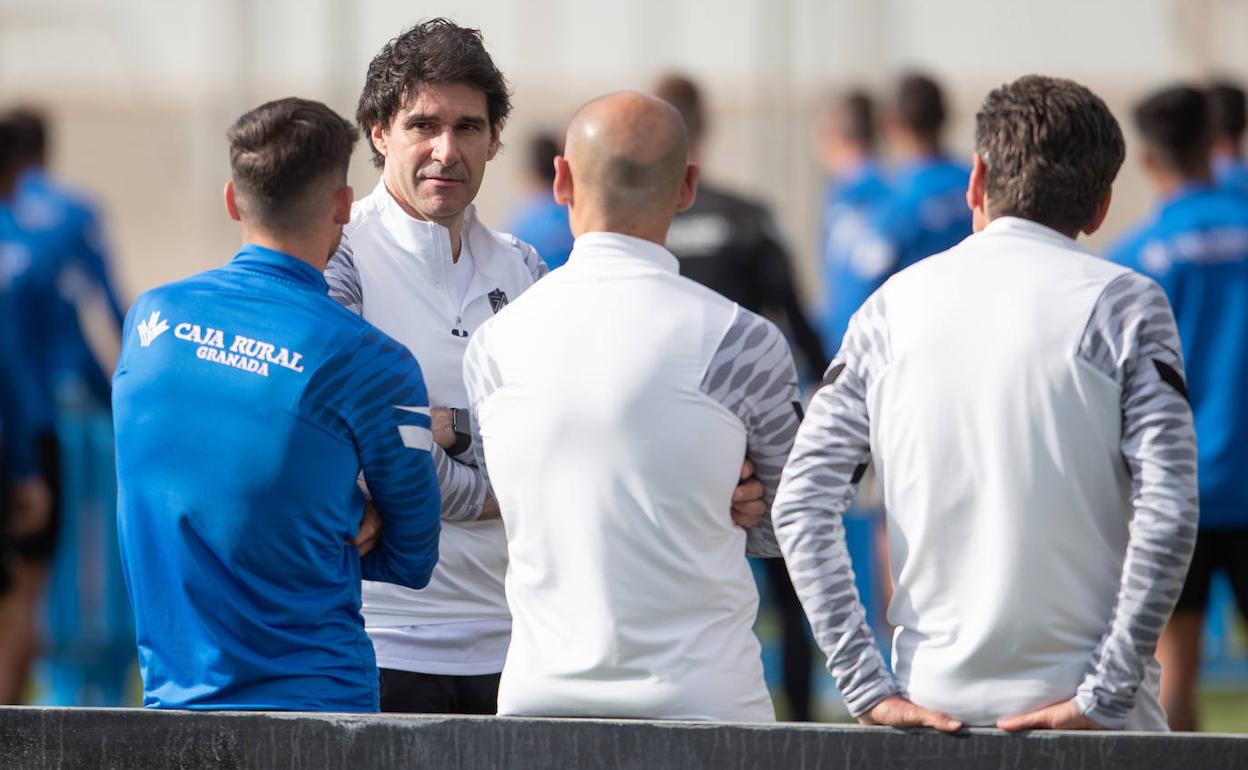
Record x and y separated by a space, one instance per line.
599 245
279 265
1030 229
411 232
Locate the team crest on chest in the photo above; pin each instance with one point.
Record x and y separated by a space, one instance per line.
498 299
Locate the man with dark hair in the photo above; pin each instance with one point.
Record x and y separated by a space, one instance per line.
1228 116
926 212
1195 244
540 220
628 581
418 263
732 246
247 403
1024 406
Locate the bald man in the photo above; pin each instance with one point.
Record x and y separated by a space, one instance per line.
615 402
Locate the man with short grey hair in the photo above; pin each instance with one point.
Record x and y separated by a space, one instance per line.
1023 404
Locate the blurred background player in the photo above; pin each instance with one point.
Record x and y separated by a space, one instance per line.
248 404
855 189
1227 115
25 499
731 245
540 221
926 212
1195 244
70 321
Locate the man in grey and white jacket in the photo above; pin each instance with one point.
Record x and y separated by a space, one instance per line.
1023 403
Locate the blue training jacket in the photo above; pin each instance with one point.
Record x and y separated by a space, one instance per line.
246 403
1232 175
852 268
543 224
1196 246
68 286
927 212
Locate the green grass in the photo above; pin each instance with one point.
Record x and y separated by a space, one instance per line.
1223 710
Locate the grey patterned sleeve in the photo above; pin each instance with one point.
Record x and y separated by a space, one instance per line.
1131 338
831 452
481 379
344 279
752 374
464 488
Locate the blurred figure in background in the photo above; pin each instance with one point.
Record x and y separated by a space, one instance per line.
1196 246
540 221
926 212
1227 113
855 190
731 245
70 324
25 500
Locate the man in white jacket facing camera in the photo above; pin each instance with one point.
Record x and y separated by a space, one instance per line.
616 401
1024 405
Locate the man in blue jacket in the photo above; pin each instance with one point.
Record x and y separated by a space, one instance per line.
926 212
1195 245
246 404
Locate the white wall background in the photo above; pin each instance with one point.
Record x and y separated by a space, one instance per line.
143 90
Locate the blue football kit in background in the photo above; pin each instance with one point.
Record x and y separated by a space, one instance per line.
246 404
1232 175
850 270
543 224
1196 246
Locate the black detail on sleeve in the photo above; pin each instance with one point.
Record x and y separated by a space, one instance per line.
1172 378
831 375
859 472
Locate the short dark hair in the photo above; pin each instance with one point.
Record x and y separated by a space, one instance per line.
856 119
542 151
1174 122
1051 149
1226 109
683 94
287 157
32 134
920 105
434 51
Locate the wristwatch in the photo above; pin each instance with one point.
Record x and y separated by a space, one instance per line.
461 425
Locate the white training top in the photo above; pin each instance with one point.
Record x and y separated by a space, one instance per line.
396 271
1023 404
616 401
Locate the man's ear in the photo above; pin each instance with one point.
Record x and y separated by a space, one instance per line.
343 199
688 188
496 141
1102 210
231 205
562 186
977 193
378 137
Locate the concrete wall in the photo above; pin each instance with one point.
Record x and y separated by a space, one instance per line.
145 89
67 739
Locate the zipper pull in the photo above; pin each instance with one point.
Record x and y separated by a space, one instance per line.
459 330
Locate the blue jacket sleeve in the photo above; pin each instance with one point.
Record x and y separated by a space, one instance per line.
376 388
